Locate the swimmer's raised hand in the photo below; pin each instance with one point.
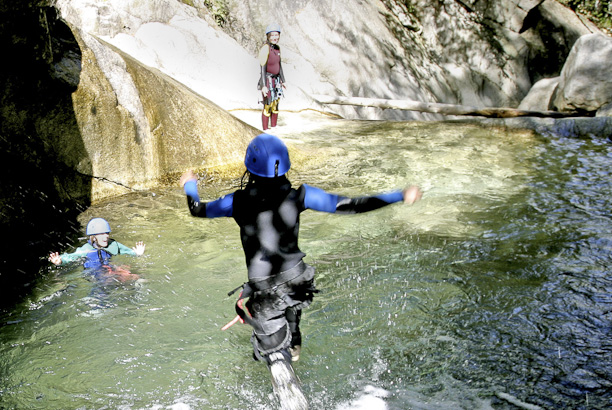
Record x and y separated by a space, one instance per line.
55 258
139 248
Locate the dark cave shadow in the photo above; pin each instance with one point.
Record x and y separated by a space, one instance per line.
41 193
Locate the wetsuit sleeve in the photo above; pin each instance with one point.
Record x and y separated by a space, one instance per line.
263 61
223 206
124 250
319 200
76 255
71 257
280 71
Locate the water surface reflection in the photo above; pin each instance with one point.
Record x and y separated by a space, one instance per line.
496 282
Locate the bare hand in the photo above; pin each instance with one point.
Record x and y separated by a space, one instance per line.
264 91
139 248
412 194
55 258
188 176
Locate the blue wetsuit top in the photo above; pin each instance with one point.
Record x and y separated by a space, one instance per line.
93 257
267 211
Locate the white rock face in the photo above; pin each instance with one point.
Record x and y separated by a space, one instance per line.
169 36
470 53
344 48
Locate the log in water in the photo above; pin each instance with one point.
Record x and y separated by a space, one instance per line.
438 108
287 387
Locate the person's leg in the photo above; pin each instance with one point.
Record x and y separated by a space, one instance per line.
265 114
270 328
266 345
264 119
274 113
293 318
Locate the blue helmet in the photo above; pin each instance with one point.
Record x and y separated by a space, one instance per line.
97 226
267 156
273 27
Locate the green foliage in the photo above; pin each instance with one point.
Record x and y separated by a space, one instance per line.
217 8
598 11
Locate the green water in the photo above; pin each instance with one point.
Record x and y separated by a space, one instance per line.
496 282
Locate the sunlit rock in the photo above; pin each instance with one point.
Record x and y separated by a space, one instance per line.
605 111
139 125
585 84
538 98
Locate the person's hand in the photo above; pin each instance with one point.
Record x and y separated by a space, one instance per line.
55 258
412 194
187 176
139 248
264 91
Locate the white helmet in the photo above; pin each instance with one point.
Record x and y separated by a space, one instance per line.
97 226
273 27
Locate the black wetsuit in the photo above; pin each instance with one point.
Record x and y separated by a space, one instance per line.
268 211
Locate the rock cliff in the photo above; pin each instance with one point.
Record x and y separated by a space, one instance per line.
479 53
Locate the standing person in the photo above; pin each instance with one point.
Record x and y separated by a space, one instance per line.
267 211
99 249
271 80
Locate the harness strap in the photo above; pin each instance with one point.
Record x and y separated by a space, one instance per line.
259 284
274 84
102 253
260 352
246 318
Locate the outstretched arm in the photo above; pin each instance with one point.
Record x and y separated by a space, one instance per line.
137 250
79 253
219 207
319 200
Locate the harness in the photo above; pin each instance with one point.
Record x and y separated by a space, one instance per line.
272 283
293 288
98 256
275 87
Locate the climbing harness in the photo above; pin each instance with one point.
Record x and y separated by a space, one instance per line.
270 297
